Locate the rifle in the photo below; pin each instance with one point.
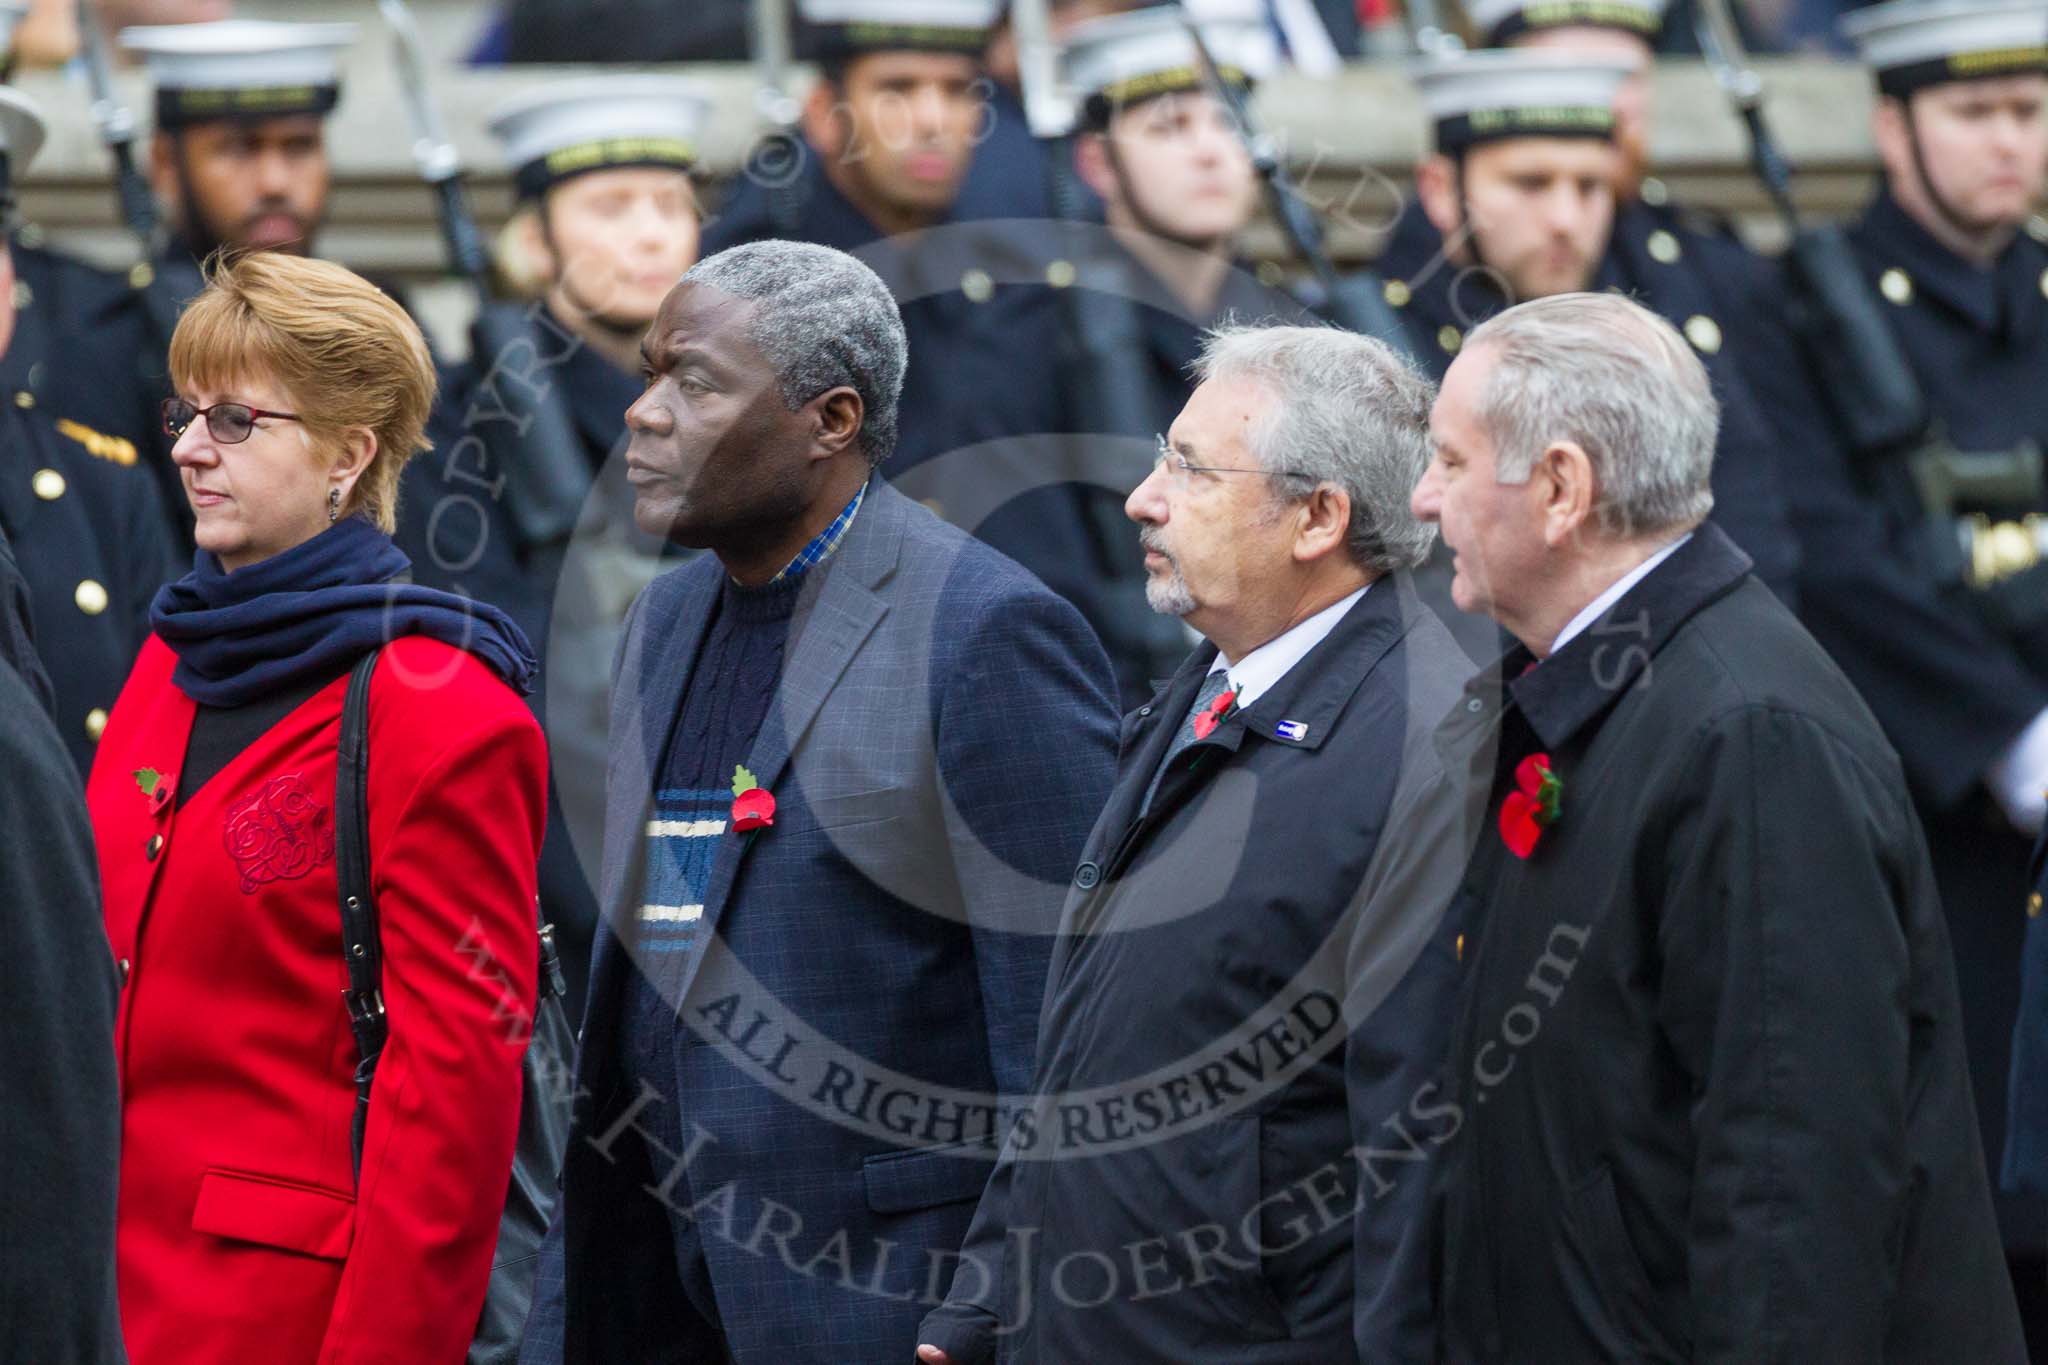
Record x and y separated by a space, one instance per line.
1103 363
115 123
778 159
1869 384
545 475
1357 302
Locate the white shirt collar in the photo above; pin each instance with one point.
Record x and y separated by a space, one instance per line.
1254 675
1615 592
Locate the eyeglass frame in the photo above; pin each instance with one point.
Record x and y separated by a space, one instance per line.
1181 462
164 413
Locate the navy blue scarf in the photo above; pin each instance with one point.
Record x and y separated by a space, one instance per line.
314 610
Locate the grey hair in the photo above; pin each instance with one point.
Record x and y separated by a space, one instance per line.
824 319
1346 410
1609 375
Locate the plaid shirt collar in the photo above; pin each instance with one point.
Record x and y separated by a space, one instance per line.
821 547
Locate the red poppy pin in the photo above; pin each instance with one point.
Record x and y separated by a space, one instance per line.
156 787
1217 712
752 804
1532 807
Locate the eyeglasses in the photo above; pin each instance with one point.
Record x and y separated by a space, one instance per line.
1177 465
230 423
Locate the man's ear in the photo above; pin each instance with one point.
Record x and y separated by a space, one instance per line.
163 167
1894 137
823 122
1436 185
838 414
1324 525
1563 476
1092 165
535 245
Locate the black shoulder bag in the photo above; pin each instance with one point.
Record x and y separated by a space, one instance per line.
544 1097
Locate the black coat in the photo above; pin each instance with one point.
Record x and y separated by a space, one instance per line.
1952 674
93 545
1205 944
1712 1101
61 1146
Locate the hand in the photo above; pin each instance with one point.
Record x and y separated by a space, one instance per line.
932 1355
2019 774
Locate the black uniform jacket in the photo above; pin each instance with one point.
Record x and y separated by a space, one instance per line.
1712 1097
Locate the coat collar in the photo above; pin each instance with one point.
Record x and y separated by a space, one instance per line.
1311 695
2003 300
1577 684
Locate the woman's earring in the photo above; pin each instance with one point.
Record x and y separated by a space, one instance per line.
333 505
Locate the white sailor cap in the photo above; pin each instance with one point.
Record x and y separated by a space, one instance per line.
1500 21
595 123
1911 44
240 68
844 28
1120 60
1474 97
22 126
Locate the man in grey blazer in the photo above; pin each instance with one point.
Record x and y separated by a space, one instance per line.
854 756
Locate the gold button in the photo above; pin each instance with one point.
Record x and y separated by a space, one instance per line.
142 275
1896 285
90 596
1060 274
24 399
1461 947
1704 333
48 483
30 235
2034 906
1653 192
153 847
95 723
977 285
2044 282
23 294
1664 248
1396 292
1449 338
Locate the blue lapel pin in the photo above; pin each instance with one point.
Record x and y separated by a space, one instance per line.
1291 729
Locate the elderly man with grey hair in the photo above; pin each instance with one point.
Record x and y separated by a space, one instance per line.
1189 1185
854 755
1708 1091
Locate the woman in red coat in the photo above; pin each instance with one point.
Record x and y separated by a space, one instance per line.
244 1234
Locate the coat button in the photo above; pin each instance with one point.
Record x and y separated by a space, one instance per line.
1704 333
1896 285
153 847
978 285
1146 709
1664 248
95 723
141 275
1474 705
1087 875
48 483
24 399
2034 906
124 967
90 596
1061 274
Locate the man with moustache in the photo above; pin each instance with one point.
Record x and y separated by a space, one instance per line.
608 212
1707 1056
1221 1215
1519 202
854 756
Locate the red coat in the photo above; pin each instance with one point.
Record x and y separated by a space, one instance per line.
241 1234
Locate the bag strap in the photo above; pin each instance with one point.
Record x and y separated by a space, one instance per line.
359 944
